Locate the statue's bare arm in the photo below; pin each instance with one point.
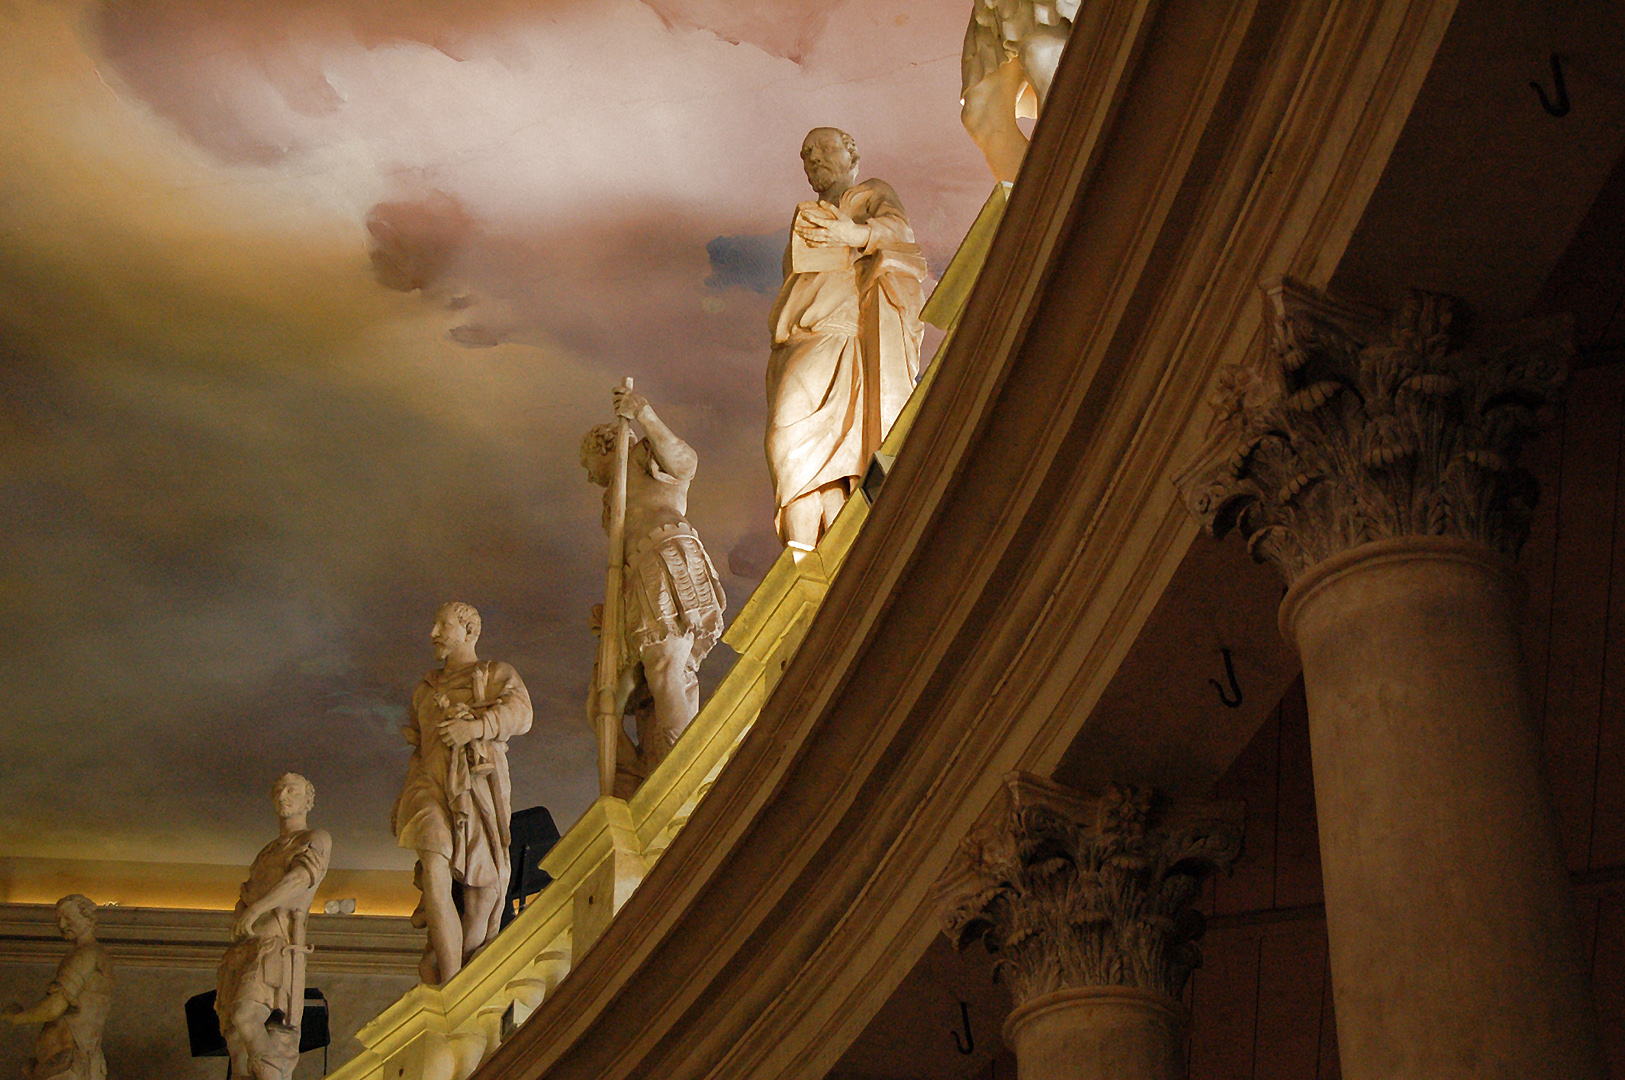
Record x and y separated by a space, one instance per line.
43 1011
62 995
673 455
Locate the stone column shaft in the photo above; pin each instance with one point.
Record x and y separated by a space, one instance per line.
1447 903
1099 1033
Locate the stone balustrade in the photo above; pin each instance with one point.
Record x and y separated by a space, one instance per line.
445 1032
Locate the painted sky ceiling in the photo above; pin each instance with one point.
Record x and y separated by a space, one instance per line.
303 310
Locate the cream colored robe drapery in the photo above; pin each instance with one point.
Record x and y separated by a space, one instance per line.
456 800
262 968
830 400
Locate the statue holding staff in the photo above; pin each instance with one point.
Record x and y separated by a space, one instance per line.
454 806
75 1006
261 983
846 336
662 621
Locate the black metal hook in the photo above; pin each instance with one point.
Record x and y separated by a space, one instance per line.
1230 697
1560 106
967 1045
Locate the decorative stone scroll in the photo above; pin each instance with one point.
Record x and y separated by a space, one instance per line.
1077 891
1357 425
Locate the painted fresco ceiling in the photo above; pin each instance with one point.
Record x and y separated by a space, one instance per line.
303 310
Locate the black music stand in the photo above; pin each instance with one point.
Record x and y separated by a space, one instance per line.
532 835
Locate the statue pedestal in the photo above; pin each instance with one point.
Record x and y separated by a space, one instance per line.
601 851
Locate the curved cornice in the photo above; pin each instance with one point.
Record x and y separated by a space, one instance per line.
1023 536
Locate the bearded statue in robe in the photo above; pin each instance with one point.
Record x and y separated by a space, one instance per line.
454 806
846 337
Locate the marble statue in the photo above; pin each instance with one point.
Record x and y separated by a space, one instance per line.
1011 49
672 600
261 983
846 336
75 1005
453 808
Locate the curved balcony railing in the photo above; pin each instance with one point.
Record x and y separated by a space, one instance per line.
445 1032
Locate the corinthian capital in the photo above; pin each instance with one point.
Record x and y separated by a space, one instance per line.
1079 891
1358 425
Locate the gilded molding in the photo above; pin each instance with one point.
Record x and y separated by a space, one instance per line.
1356 425
1073 891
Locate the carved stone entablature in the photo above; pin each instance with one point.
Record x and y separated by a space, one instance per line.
1358 425
1078 891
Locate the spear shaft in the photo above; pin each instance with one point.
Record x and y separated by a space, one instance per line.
608 720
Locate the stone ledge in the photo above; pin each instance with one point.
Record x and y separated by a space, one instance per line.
159 937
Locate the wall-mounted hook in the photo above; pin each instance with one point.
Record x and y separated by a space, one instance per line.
967 1045
1558 105
1229 696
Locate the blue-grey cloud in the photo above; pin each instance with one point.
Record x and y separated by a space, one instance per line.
748 262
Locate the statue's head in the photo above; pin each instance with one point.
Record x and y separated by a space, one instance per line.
828 154
455 623
75 916
598 453
292 794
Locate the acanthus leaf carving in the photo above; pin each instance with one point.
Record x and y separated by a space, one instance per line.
1353 427
1072 891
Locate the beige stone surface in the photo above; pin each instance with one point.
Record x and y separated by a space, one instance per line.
1372 457
1451 920
1086 900
1356 424
1011 49
74 1007
261 984
1087 889
611 845
672 602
